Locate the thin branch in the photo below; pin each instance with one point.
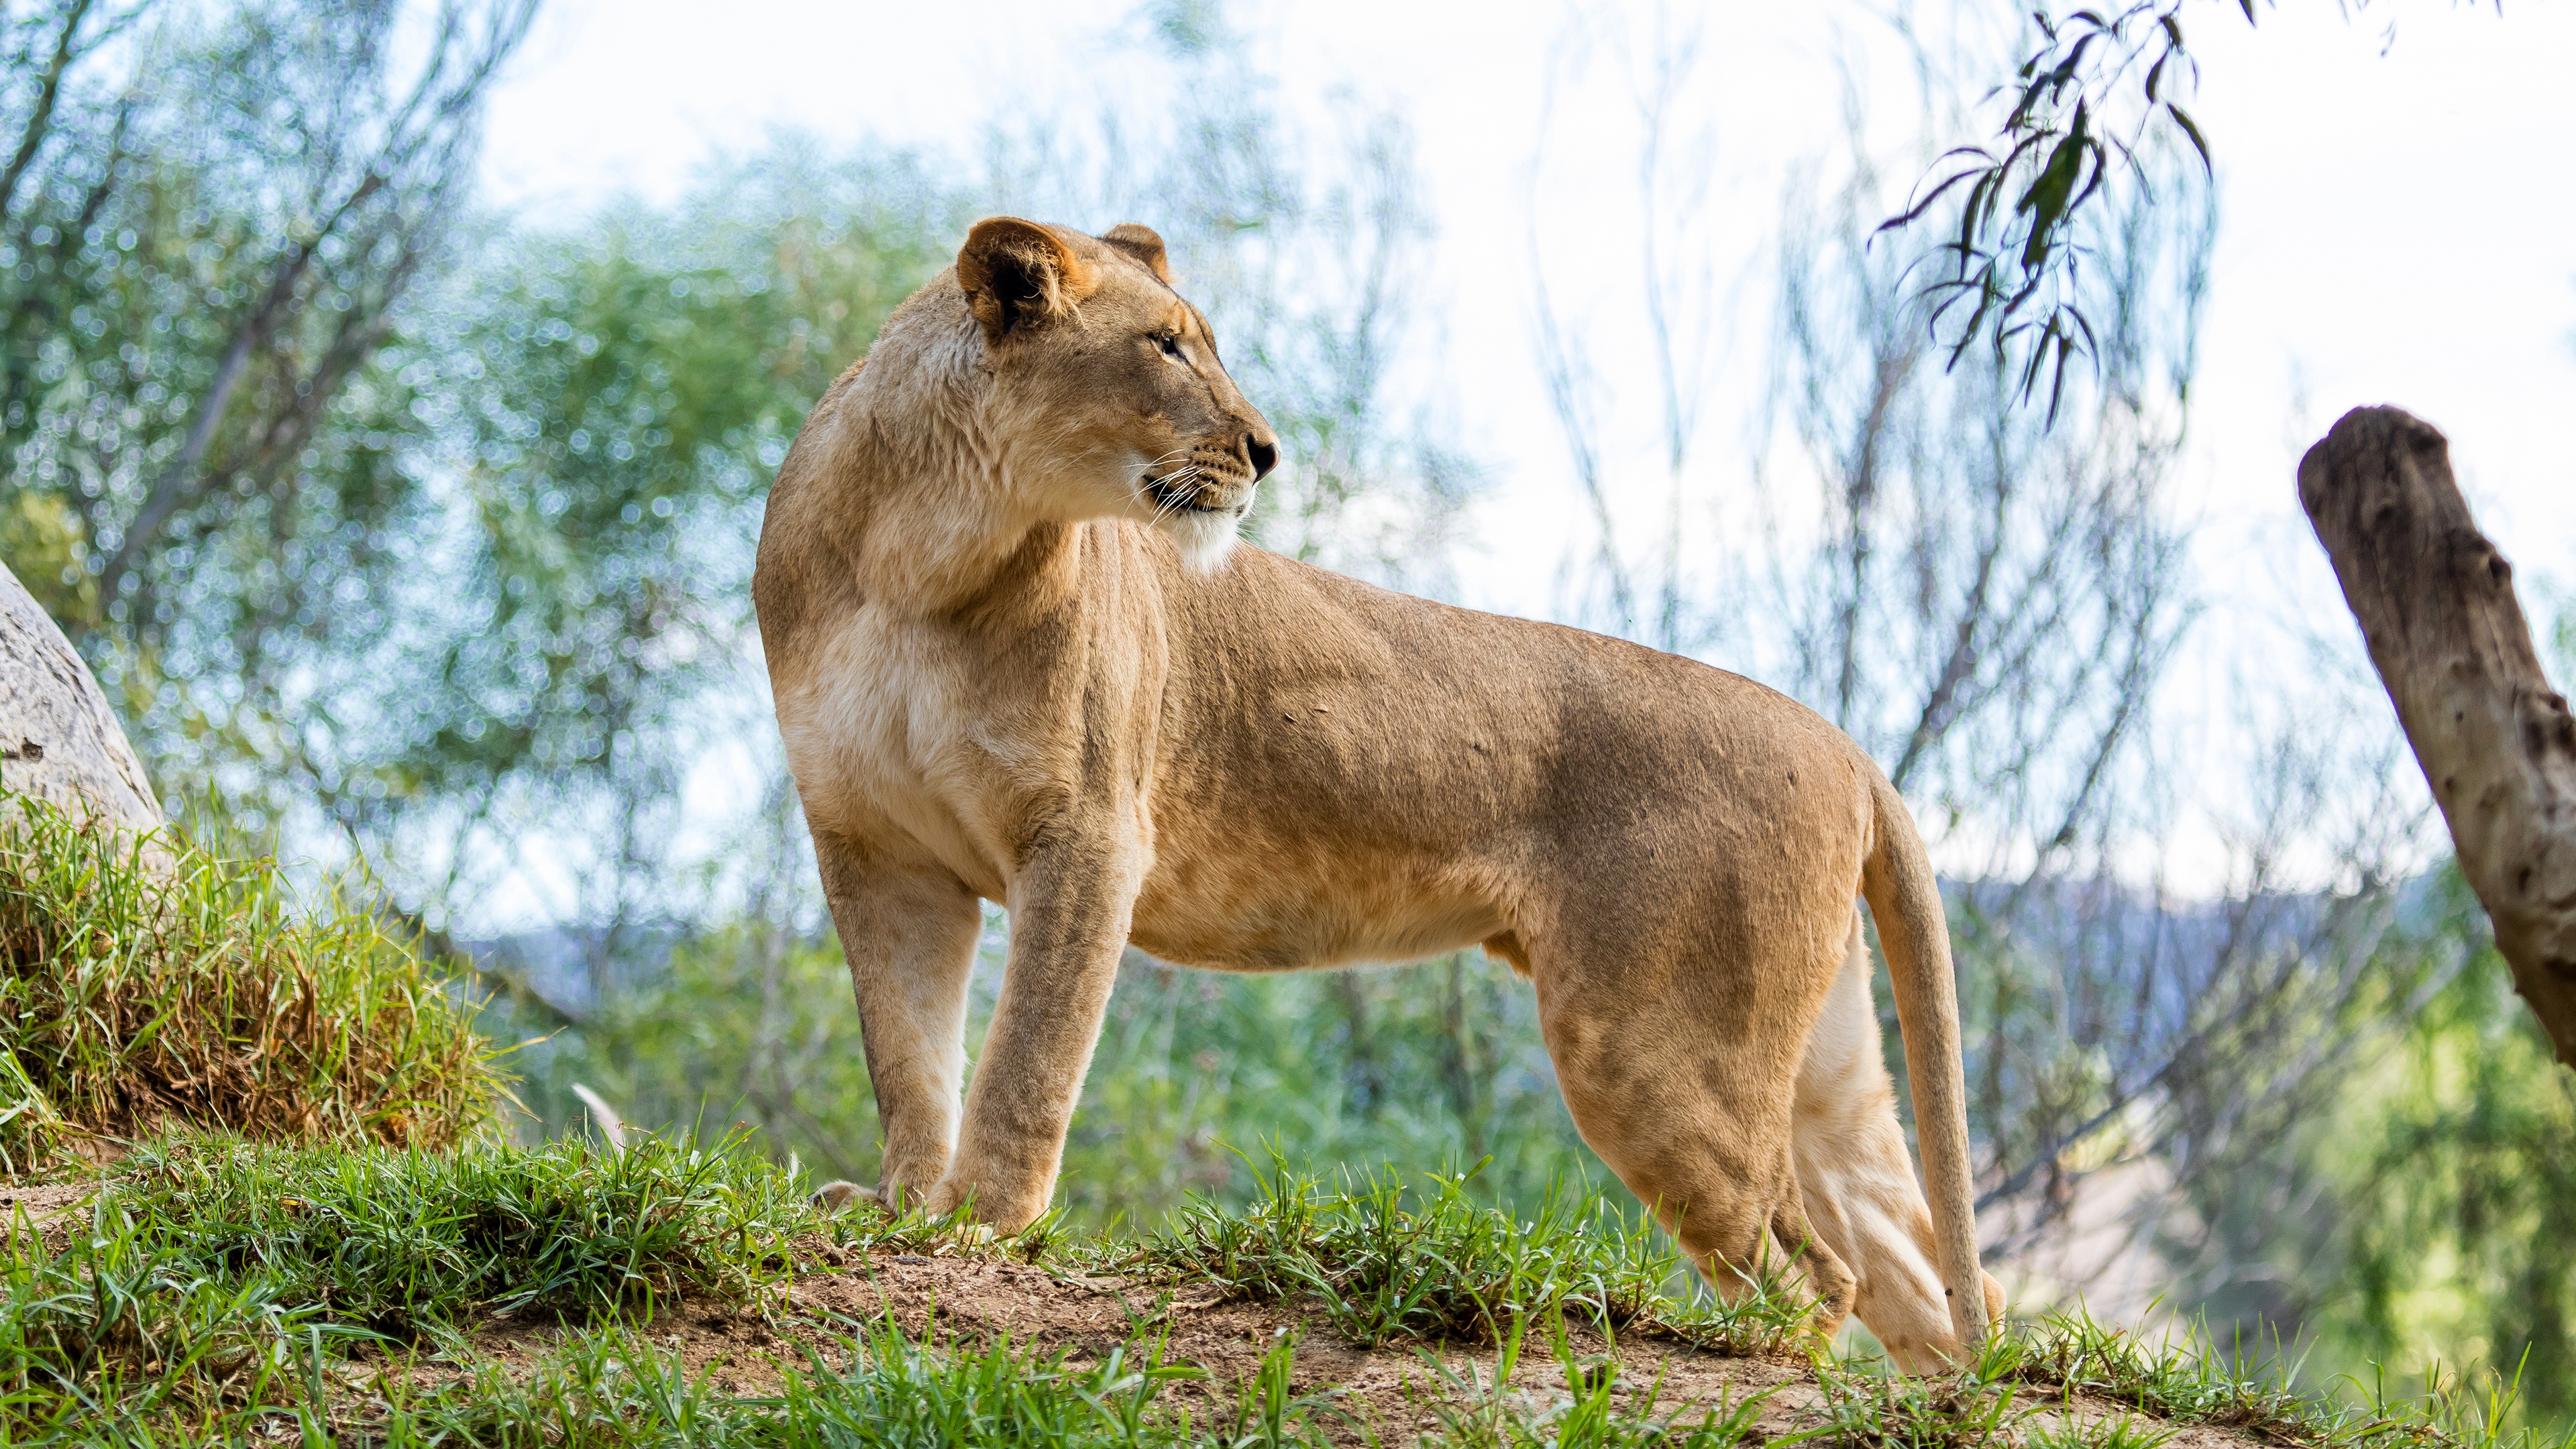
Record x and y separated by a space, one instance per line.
40 120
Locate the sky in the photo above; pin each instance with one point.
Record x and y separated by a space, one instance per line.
2396 223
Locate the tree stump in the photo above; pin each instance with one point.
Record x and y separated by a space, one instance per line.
2437 608
59 741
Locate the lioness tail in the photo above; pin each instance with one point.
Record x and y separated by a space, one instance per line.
1906 902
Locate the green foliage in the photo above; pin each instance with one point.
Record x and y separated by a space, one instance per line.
366 523
752 1025
1412 1065
618 397
2463 1189
144 981
2094 111
755 1024
211 221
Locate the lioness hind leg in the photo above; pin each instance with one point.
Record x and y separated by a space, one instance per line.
1859 1184
1665 1087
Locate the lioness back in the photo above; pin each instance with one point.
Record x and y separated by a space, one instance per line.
1355 774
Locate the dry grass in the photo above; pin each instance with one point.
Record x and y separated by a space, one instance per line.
204 993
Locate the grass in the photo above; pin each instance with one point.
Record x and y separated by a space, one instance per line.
145 982
398 1243
1479 1411
222 1291
2026 1381
310 1237
2186 1377
213 1287
613 1388
121 1328
1385 1262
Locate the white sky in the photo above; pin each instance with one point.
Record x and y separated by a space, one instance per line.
2398 226
2397 220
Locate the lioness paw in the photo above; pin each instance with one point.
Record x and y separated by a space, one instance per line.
833 1197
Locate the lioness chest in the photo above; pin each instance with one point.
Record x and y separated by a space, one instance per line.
900 742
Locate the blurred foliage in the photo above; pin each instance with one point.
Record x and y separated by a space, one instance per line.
211 219
1196 1071
377 518
605 407
2455 1165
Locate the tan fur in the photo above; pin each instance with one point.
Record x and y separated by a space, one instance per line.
1014 661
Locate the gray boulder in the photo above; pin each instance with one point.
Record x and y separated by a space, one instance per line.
58 739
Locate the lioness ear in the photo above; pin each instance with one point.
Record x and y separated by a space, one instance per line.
1017 273
1141 243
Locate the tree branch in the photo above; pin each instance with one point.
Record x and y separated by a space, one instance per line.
253 333
40 120
2436 605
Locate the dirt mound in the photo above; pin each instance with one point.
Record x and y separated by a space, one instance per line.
1392 1392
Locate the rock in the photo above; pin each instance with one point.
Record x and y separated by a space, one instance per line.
58 739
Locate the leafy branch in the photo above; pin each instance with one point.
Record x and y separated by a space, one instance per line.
2092 90
2014 278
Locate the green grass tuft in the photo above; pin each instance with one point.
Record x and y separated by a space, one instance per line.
1383 1262
615 1388
2185 1377
399 1242
138 992
122 1328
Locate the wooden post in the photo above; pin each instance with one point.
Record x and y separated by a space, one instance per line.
2436 605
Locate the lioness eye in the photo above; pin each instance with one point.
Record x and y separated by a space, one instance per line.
1169 342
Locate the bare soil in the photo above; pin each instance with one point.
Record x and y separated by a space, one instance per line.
47 1209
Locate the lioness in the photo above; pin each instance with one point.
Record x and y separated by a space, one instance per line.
1017 657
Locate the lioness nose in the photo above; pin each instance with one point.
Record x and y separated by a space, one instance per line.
1264 456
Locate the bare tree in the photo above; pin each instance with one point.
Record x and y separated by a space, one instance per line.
1639 593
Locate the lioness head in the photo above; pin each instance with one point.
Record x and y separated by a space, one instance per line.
1115 380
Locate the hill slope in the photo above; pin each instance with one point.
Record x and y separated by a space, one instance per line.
204 1290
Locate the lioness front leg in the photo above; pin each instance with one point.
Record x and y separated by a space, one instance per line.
909 936
1070 910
